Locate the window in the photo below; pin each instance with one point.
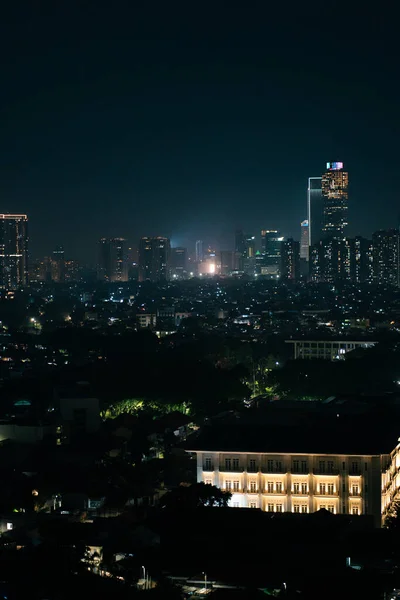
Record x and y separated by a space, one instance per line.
253 487
270 508
354 467
279 487
330 466
296 508
235 486
321 506
236 464
304 508
331 508
270 487
304 466
235 504
208 466
355 490
279 508
10 526
295 466
355 510
322 488
252 467
228 464
322 466
270 466
228 485
304 488
208 482
278 466
253 504
296 488
331 489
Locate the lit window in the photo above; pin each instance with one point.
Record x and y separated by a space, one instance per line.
331 508
207 465
304 488
270 508
235 464
322 488
235 486
253 487
296 508
279 508
228 464
304 508
252 465
253 505
208 482
355 490
279 487
228 485
296 488
270 487
10 526
355 510
331 489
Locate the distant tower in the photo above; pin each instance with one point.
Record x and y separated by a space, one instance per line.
112 260
335 183
199 251
314 210
304 240
13 251
154 258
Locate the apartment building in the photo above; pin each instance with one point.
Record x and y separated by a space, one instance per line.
301 474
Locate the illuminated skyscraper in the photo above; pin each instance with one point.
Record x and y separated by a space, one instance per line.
271 245
335 183
178 263
199 251
314 210
154 259
13 251
58 265
290 260
304 240
112 260
386 256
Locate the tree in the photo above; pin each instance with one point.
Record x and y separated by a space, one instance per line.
188 497
392 519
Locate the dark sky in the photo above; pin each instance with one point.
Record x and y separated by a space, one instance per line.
191 119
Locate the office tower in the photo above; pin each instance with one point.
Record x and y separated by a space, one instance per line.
154 258
179 263
199 251
304 240
72 270
227 262
290 260
335 182
271 244
250 246
330 260
240 249
315 210
13 251
58 265
386 257
112 260
361 257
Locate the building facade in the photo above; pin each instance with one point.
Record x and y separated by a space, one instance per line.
326 349
179 263
304 241
290 260
386 257
296 482
112 265
154 258
335 195
271 248
314 210
13 251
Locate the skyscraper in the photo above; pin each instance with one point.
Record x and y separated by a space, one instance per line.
58 265
290 260
199 251
304 240
13 251
386 256
112 266
154 258
314 210
178 263
335 182
271 245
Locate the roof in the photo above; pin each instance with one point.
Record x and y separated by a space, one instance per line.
324 436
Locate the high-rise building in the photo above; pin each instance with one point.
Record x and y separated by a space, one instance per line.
199 251
179 263
330 260
386 256
271 244
240 249
335 183
154 258
361 260
290 260
13 251
112 265
227 263
314 210
304 240
58 265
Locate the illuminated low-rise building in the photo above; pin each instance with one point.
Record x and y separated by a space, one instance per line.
284 470
327 349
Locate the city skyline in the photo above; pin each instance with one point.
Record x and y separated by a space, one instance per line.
109 119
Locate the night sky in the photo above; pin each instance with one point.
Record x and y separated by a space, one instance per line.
192 119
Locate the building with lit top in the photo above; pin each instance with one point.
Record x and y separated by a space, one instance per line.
315 210
335 195
271 246
301 469
13 251
304 241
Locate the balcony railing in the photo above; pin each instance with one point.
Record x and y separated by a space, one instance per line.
275 492
326 471
326 493
280 470
208 468
225 469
